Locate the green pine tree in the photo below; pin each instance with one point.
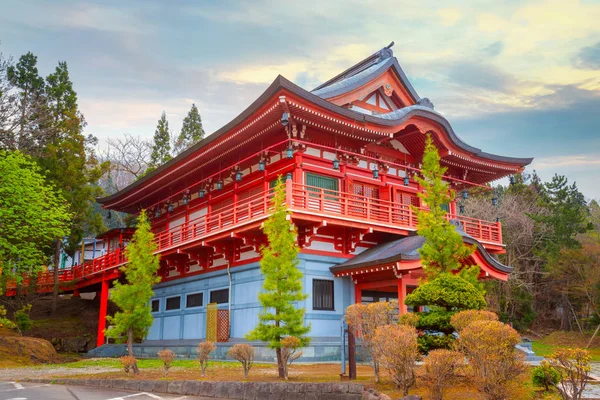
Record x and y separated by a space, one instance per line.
191 131
32 214
161 149
133 298
282 287
444 249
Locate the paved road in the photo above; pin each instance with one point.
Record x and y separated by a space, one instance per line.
38 391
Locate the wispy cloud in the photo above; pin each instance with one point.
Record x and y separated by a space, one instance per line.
581 161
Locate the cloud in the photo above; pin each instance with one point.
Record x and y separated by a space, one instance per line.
494 49
588 57
581 161
449 16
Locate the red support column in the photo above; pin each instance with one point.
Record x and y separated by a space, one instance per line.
76 293
402 308
102 314
357 294
288 192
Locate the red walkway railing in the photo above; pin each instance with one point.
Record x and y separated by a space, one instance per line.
300 198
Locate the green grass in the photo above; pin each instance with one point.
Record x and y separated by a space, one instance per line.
145 363
544 349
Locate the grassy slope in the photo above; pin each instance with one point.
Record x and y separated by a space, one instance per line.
546 346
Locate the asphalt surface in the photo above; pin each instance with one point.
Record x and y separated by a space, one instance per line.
38 391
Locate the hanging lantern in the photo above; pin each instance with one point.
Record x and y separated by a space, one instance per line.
465 194
336 164
288 177
219 184
406 180
109 216
497 219
238 175
495 200
289 152
511 179
461 208
186 199
157 212
201 193
171 207
261 164
375 173
285 119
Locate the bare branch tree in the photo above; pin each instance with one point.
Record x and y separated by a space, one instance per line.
129 157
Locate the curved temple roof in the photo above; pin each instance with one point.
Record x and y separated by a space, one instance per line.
355 76
407 249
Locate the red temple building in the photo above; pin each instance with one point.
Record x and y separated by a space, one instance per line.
348 152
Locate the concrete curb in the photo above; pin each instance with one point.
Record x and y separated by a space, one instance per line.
227 390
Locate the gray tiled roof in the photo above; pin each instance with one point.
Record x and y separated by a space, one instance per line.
406 249
363 72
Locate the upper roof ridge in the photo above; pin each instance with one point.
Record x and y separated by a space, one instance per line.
375 58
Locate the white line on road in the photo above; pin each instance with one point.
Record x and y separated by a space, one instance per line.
151 395
18 386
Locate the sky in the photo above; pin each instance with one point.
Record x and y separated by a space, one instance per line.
516 78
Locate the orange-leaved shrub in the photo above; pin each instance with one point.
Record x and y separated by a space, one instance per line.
397 350
290 352
494 362
573 366
364 319
127 362
462 319
244 353
167 357
410 319
204 350
440 370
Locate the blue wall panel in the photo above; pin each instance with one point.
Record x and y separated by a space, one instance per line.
189 323
171 327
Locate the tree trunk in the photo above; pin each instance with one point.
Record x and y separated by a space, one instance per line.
55 272
136 370
280 366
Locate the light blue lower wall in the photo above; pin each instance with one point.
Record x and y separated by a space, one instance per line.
247 280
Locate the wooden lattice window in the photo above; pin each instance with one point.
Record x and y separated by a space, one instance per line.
323 295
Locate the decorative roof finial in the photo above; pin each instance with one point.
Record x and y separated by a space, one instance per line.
386 52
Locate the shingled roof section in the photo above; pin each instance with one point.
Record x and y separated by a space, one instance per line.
365 71
406 249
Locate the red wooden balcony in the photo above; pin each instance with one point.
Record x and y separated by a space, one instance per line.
304 202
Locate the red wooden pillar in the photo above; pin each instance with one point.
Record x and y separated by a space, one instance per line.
288 192
76 293
402 308
357 294
102 314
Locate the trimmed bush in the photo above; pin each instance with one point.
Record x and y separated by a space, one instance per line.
494 363
440 371
127 362
244 353
364 319
545 375
396 349
573 366
410 319
445 296
167 357
290 352
463 319
204 350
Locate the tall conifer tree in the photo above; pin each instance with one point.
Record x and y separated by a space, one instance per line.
161 149
444 249
135 316
191 131
282 287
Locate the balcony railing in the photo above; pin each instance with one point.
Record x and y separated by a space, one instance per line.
334 205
